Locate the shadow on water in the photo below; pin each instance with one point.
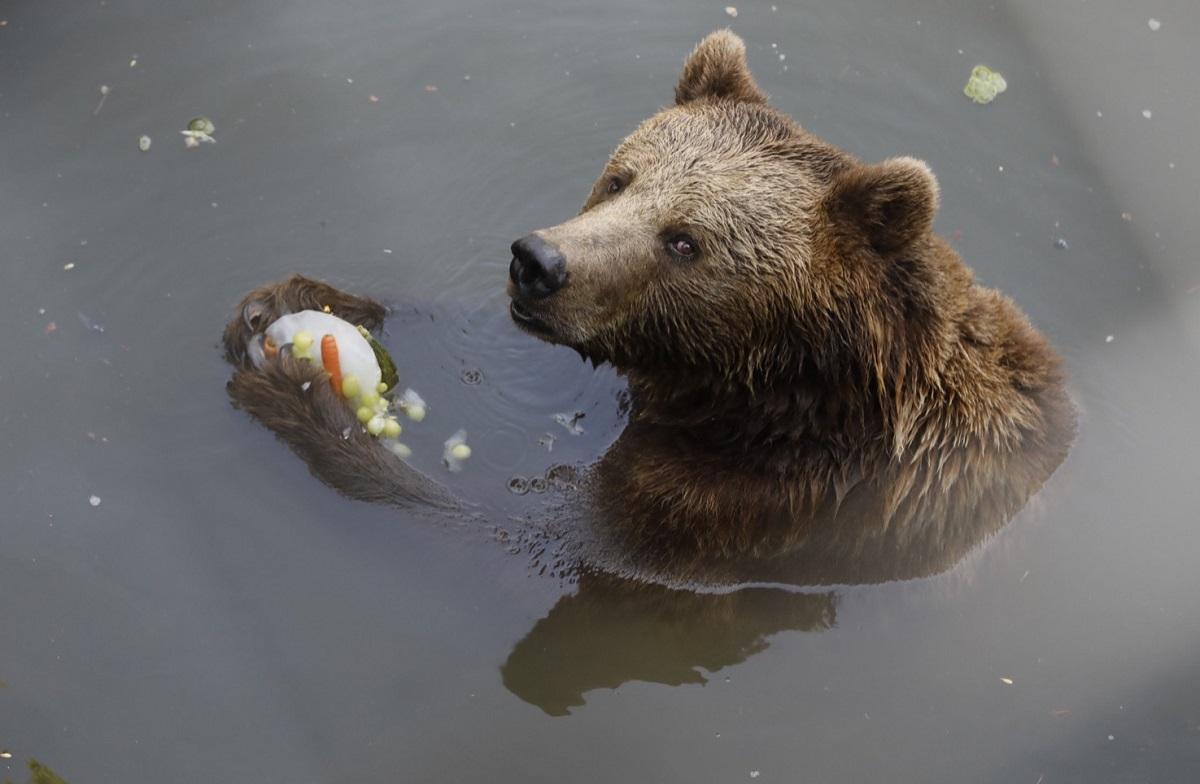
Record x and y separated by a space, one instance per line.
613 630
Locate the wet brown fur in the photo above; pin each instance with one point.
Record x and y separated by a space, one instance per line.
295 400
825 343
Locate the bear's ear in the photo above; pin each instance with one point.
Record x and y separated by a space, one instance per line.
717 69
892 203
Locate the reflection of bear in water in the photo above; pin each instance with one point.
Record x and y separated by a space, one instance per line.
611 631
821 392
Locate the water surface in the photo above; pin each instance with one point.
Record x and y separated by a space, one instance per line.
220 615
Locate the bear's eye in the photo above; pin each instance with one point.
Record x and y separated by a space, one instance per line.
615 184
683 246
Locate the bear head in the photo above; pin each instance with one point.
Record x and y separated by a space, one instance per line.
723 242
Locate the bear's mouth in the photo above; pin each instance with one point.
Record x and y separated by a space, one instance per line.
528 321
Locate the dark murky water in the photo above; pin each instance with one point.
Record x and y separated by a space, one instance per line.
222 616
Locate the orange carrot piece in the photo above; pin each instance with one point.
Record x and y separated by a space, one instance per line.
269 347
333 366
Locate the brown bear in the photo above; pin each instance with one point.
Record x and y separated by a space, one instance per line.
821 392
814 371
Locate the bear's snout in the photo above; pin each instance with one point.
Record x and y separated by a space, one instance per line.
538 269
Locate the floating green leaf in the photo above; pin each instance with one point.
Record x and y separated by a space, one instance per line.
984 84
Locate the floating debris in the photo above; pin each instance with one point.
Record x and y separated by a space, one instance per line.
1110 338
731 11
754 774
104 91
199 129
51 328
373 98
455 451
1147 113
1061 244
94 500
5 754
1126 216
90 324
202 124
431 88
1007 681
1153 24
133 62
471 376
547 440
984 85
571 422
412 405
70 265
144 142
40 774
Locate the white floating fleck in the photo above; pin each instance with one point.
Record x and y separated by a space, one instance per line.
755 774
571 422
731 11
1007 681
412 405
70 265
1110 339
1153 24
144 143
94 500
455 451
104 91
1147 113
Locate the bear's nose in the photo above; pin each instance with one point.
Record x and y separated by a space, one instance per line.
538 269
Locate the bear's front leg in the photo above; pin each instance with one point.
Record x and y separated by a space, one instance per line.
295 400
